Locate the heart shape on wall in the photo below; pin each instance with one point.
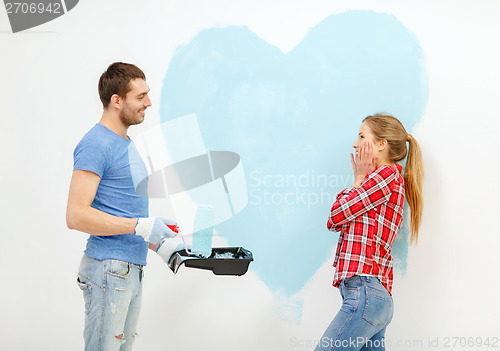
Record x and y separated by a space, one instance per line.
292 118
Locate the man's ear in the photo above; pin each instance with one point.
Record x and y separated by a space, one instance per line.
115 101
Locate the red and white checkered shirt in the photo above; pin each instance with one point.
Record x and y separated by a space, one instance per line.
368 218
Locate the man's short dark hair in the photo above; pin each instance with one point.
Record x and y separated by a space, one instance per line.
116 79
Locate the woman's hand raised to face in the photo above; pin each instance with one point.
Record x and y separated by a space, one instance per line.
363 163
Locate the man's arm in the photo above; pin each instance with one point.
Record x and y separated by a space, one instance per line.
82 217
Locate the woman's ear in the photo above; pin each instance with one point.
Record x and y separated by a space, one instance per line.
382 145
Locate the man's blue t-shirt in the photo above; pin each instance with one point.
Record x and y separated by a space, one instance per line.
116 160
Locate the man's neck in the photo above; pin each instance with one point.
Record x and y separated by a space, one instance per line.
113 123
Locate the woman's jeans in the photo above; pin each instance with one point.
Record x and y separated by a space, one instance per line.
112 292
366 310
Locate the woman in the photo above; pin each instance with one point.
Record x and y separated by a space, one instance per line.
368 216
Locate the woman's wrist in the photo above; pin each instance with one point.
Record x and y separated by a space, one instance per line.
357 181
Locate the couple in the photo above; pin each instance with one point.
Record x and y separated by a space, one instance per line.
102 202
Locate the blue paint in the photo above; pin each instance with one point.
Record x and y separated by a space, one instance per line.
400 246
203 231
293 118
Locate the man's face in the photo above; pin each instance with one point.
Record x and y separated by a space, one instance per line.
135 103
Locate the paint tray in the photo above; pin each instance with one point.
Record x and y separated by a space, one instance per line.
222 261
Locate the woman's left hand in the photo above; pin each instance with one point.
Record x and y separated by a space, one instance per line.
363 163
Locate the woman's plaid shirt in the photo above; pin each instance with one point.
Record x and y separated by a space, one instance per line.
368 218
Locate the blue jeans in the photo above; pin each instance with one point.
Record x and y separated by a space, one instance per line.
112 291
366 310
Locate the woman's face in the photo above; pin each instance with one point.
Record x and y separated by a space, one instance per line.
365 135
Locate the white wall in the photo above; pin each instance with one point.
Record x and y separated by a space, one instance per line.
48 99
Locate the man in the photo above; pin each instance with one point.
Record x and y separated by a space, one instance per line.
103 202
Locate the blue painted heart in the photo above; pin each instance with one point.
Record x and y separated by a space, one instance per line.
293 118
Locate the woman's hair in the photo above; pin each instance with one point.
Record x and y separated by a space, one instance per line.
387 127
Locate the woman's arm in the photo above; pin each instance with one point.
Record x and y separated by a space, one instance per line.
342 194
373 191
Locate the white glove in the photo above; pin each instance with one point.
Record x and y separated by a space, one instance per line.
168 247
154 229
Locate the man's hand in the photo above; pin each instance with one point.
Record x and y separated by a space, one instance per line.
155 229
168 246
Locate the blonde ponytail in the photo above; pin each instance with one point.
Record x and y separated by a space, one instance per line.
387 127
413 177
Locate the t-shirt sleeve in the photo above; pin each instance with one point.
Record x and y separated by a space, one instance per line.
90 156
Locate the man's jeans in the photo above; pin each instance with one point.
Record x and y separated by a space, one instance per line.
112 292
366 310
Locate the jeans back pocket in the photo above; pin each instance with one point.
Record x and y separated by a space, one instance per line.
379 307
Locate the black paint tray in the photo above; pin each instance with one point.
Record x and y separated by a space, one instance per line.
222 261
